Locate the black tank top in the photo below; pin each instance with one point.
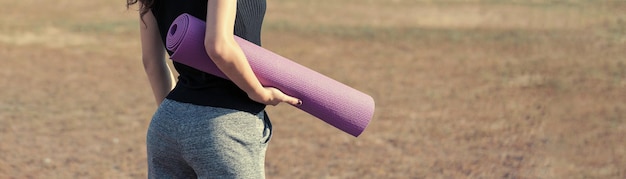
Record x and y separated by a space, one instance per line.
201 88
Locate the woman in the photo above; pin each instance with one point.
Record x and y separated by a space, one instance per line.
205 126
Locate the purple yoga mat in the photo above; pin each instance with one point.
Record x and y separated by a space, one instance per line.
331 101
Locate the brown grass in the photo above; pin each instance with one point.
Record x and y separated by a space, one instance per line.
464 89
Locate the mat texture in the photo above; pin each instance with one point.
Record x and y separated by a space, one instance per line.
329 100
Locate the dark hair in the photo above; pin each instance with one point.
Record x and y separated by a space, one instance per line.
145 6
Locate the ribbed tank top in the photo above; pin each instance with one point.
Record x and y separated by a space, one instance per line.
201 88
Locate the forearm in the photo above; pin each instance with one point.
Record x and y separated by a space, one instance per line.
160 78
233 63
230 59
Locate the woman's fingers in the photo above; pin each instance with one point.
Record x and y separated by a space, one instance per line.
291 100
273 96
282 97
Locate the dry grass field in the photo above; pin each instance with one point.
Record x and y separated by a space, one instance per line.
464 89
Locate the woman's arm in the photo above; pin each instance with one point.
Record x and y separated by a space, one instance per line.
153 57
230 59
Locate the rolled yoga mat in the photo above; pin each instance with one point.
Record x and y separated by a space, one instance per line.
331 101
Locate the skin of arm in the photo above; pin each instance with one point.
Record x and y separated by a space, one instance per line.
153 58
227 55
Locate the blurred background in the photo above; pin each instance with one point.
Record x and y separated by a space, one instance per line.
464 89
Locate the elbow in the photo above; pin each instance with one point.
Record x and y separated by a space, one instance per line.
150 64
147 63
152 61
218 50
214 48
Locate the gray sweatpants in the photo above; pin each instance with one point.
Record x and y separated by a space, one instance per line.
191 141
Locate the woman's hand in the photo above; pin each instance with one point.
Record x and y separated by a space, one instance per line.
273 96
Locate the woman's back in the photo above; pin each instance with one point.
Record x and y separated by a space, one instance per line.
201 88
